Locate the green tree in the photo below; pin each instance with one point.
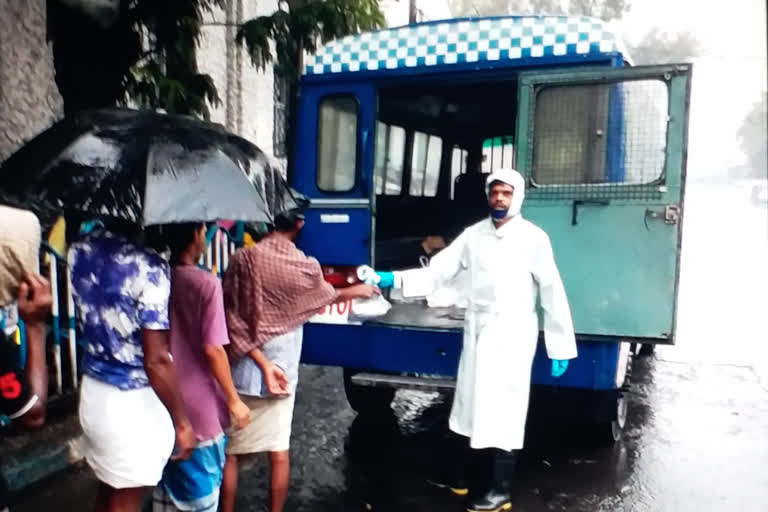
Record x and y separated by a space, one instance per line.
144 52
298 26
754 137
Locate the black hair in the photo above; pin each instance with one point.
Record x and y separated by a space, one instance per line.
285 222
178 238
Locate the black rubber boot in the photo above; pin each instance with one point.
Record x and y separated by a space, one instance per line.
449 471
498 494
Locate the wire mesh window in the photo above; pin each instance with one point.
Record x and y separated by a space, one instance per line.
498 153
389 156
337 143
601 141
425 164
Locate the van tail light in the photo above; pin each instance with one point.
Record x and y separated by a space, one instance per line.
340 277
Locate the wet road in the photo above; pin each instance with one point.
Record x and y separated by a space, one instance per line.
696 430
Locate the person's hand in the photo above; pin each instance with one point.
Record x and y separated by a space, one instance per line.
240 414
558 367
276 381
364 291
34 300
386 280
185 441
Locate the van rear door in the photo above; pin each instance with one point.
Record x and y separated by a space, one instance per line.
333 162
604 155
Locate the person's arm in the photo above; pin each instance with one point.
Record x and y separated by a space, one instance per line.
559 337
219 364
152 310
442 269
358 291
274 377
162 377
34 305
214 336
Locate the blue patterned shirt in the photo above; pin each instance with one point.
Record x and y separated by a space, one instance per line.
119 289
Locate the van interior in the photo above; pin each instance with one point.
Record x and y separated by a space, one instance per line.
434 148
435 145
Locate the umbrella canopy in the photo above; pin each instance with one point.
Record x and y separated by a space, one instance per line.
145 168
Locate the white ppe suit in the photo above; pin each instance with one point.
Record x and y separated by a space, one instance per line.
507 269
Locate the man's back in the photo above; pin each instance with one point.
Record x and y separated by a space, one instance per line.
119 289
196 314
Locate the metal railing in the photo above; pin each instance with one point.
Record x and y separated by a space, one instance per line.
221 245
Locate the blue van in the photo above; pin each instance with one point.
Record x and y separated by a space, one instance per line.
397 130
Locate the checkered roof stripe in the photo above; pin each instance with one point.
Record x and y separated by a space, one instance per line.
454 42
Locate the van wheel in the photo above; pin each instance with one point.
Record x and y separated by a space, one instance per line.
367 399
610 432
646 350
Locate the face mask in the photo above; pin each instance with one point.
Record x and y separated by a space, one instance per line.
498 214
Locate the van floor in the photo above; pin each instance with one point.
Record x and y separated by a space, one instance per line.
419 315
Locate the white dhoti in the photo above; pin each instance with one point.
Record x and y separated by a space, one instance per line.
129 435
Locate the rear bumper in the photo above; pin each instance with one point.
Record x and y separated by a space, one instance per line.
392 349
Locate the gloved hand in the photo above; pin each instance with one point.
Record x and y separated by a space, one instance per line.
386 280
558 367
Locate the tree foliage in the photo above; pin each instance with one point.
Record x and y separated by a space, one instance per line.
603 9
299 25
753 136
145 53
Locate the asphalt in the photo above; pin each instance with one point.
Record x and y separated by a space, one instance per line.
696 429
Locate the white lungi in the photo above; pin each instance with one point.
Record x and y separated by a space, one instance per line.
129 435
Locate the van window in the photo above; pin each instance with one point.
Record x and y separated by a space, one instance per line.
498 153
600 134
458 165
337 143
389 159
425 164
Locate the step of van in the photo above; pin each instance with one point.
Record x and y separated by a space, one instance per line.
404 382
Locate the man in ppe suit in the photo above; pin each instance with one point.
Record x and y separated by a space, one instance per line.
510 264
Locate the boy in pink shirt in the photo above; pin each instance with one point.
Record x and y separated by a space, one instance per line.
198 333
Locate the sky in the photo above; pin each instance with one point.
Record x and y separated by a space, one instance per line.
727 80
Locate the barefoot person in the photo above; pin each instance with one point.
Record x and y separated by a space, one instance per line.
130 406
270 290
198 336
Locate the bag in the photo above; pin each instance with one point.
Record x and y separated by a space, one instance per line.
365 309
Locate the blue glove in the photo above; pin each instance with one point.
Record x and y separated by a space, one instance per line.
558 367
386 279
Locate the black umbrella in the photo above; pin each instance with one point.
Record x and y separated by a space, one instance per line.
145 168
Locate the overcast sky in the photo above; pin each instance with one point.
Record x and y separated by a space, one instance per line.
727 80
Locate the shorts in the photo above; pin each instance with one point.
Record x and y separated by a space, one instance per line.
269 429
128 435
193 485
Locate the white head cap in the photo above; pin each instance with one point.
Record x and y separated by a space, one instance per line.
515 180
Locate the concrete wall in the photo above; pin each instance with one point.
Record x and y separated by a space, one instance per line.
29 99
246 93
396 11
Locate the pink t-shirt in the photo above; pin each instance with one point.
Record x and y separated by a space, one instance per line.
196 313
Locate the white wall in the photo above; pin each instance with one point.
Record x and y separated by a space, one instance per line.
246 93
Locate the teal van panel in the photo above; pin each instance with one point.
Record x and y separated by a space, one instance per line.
620 277
617 244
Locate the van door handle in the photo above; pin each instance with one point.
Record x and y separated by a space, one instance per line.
585 202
